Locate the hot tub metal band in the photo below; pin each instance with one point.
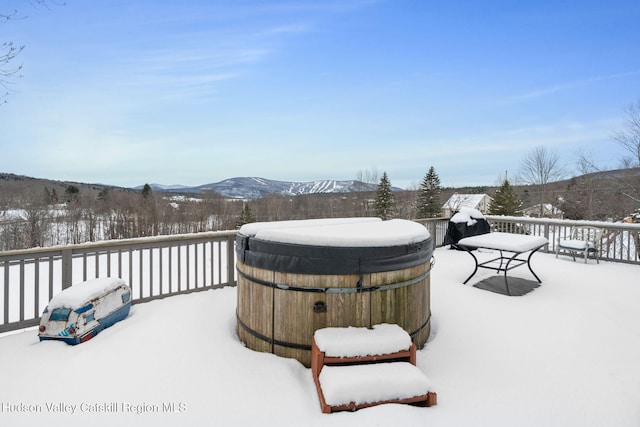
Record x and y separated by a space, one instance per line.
273 341
351 290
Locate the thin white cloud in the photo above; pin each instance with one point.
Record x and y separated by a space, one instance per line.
318 6
300 27
539 93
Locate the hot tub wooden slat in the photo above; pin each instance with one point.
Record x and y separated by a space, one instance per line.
407 306
255 310
295 319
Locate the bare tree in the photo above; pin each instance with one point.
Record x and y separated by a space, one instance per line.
9 51
36 212
366 182
629 138
541 167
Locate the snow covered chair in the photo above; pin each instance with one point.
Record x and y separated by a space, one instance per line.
356 368
583 240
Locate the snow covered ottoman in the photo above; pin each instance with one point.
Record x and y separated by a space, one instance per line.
356 368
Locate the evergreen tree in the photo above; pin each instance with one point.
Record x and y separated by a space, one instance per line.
384 203
505 201
103 195
246 216
428 204
71 193
146 191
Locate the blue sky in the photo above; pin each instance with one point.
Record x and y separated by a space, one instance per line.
195 92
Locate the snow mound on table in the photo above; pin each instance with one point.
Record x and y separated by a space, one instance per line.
504 241
351 341
376 382
83 292
351 234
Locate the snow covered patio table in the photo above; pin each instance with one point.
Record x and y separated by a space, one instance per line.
515 244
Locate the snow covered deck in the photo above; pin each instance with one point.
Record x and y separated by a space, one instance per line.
565 354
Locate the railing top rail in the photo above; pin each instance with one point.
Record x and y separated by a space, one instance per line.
565 222
119 243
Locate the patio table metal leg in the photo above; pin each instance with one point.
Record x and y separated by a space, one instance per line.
475 268
506 269
502 258
529 265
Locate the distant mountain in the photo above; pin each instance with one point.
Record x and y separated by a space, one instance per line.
161 187
254 188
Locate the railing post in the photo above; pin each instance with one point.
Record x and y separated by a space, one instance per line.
432 231
231 265
546 236
67 268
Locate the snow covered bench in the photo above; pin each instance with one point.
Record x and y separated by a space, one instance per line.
583 240
357 368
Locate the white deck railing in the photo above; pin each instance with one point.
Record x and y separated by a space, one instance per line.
157 267
620 242
154 267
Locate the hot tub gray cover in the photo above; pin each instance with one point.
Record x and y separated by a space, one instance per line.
309 259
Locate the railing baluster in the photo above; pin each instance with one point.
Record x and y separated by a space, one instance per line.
219 245
120 263
179 268
6 291
195 265
84 267
130 260
51 265
22 285
36 289
97 266
160 270
151 272
141 272
171 269
212 264
204 264
188 265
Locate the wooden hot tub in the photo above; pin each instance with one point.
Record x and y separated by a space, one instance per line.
295 277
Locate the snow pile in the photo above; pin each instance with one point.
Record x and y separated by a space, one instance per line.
372 383
504 241
349 342
77 295
467 215
580 245
348 234
253 228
